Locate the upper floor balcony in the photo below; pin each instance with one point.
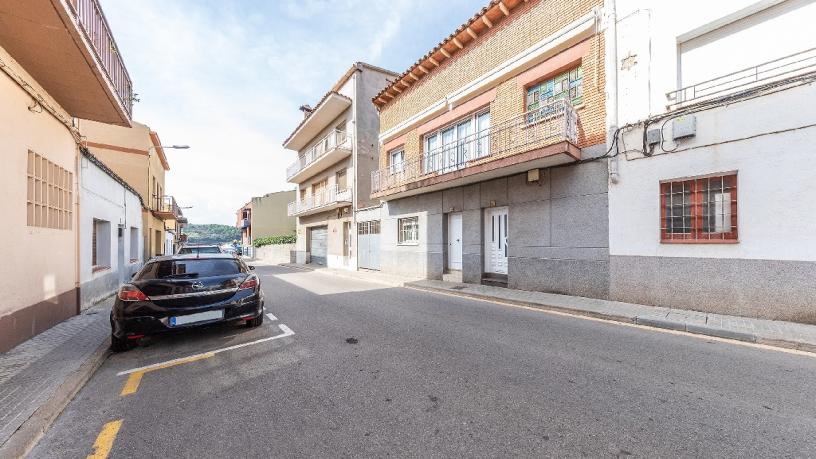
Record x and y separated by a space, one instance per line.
542 137
244 223
776 70
327 151
68 48
328 198
166 208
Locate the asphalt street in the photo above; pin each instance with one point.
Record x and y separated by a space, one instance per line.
355 369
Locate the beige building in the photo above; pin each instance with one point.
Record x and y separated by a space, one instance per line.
135 154
51 71
265 216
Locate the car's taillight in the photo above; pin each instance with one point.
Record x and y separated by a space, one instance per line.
250 282
131 293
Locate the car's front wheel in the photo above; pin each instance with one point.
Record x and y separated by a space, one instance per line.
120 344
256 321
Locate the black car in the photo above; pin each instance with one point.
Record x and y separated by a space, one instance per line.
185 291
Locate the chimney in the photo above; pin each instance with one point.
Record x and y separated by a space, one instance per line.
307 110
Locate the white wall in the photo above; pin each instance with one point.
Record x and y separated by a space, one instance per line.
103 198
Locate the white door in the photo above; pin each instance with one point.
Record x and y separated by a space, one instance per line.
496 240
455 241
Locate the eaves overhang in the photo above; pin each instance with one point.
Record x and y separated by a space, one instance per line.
329 108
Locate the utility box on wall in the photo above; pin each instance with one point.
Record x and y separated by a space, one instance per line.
684 126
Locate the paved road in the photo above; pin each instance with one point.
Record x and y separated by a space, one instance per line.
379 371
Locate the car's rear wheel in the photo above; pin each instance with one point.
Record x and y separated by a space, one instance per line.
120 344
255 322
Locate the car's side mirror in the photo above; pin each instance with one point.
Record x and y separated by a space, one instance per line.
251 267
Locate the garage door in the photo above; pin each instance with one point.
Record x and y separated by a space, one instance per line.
317 245
368 244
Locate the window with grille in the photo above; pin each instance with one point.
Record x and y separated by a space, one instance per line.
699 210
134 244
372 227
408 230
568 85
101 245
50 194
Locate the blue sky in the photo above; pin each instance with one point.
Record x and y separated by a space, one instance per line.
227 77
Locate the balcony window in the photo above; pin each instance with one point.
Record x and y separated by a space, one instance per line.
568 85
396 160
699 210
451 147
408 231
341 179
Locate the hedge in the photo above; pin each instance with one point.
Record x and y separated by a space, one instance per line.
275 240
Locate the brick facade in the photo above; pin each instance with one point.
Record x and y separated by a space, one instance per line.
528 24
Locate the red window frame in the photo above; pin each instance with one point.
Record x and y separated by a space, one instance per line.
698 189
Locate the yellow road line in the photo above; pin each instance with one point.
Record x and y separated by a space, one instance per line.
132 383
578 315
104 441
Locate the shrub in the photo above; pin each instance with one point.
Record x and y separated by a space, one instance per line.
275 240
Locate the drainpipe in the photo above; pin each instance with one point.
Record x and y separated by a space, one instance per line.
611 51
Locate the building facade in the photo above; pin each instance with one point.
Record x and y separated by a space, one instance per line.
270 214
50 72
708 208
244 223
486 146
135 153
337 150
110 230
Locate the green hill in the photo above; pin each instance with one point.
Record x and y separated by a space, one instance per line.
211 234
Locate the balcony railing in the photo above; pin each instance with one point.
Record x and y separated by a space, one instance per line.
93 23
166 208
244 223
327 144
775 70
324 198
538 128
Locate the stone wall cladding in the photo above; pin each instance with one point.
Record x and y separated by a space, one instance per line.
528 24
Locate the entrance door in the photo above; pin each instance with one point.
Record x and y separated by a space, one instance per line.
455 241
120 253
368 244
318 238
346 241
496 240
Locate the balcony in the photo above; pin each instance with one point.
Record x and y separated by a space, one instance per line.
166 208
777 70
327 151
244 223
542 137
68 48
328 199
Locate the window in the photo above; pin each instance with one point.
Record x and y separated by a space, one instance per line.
190 269
341 179
451 147
158 243
50 194
408 230
101 245
396 160
134 244
302 194
699 210
371 227
568 85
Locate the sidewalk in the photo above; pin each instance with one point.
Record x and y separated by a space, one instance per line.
40 376
770 332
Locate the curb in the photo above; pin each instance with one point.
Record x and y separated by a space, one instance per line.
32 430
645 321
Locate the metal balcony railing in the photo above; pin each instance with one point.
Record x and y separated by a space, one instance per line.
537 128
327 144
166 205
326 197
93 23
775 70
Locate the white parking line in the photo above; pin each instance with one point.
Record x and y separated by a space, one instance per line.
286 332
271 316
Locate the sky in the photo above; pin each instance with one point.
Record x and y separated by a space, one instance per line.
227 78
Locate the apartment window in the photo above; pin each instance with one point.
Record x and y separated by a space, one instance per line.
699 210
341 179
568 85
302 194
408 230
101 245
134 244
50 194
451 147
396 160
158 243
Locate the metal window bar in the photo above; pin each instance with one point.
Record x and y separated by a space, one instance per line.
700 209
777 69
330 142
534 129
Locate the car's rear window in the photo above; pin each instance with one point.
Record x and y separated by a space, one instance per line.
186 250
195 268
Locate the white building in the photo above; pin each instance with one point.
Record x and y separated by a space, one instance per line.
709 205
110 230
